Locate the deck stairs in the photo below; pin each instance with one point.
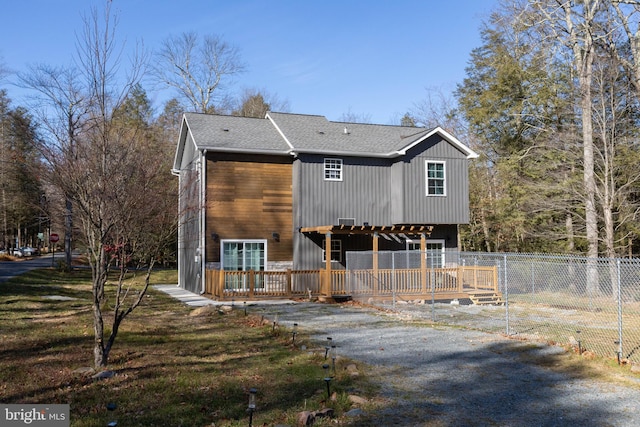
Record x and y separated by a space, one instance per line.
486 297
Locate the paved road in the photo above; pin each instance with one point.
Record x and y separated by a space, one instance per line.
9 269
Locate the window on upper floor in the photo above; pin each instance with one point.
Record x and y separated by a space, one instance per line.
333 169
436 181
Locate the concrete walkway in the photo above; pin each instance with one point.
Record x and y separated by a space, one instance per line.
195 300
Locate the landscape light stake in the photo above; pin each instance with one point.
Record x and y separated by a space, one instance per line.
327 379
111 407
579 343
333 359
294 333
252 404
327 348
245 307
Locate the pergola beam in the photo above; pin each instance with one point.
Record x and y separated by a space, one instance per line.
370 229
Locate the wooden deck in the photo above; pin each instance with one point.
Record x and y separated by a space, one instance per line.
410 284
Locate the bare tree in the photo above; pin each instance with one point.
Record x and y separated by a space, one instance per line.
3 69
198 69
110 166
256 103
351 117
61 104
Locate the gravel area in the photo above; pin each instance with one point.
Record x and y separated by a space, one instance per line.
446 376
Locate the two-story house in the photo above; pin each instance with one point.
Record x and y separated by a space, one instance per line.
298 192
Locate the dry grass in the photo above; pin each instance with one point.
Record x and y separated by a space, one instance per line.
172 368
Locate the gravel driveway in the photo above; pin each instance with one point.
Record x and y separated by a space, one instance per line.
445 376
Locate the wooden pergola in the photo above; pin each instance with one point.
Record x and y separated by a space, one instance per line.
403 230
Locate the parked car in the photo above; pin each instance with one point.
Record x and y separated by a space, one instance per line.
17 252
29 251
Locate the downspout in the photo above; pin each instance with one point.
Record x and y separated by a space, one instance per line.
203 215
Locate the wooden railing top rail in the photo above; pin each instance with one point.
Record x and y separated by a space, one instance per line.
279 282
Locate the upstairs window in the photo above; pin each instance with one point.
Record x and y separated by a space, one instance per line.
436 183
333 169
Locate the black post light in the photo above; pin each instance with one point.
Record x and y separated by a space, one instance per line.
327 379
327 347
294 333
333 359
111 407
252 405
579 343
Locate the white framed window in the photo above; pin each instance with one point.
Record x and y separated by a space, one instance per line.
336 250
434 251
333 169
436 178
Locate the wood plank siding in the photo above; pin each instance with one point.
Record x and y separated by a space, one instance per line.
249 197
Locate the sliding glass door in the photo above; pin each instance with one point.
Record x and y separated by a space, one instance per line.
243 255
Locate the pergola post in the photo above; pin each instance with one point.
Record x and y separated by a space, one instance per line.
423 262
326 291
375 263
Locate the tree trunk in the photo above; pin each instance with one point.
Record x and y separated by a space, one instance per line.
582 43
68 231
99 359
589 182
99 266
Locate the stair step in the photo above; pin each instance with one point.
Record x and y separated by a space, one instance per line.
486 298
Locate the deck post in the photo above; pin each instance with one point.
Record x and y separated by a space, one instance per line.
475 277
252 282
423 263
288 285
326 286
220 283
376 273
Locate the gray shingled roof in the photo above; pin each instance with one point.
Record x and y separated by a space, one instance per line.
284 133
230 133
317 134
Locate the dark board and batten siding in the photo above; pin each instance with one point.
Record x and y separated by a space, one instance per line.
420 208
189 266
379 192
362 194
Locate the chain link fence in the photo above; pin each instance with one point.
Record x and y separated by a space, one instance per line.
590 304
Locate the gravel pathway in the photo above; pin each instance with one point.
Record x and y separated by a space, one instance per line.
442 376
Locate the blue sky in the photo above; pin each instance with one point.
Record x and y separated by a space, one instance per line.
329 57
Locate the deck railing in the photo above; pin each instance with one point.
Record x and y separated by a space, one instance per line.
222 284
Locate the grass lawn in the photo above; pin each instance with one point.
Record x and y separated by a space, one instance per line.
173 368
